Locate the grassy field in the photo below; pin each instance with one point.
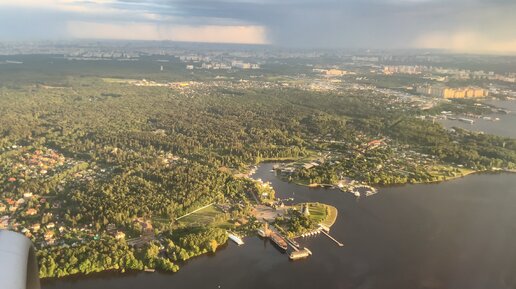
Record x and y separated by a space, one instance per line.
120 80
207 216
331 217
443 172
321 213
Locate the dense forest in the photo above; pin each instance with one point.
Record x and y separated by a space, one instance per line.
105 157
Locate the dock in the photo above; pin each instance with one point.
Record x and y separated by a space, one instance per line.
333 239
300 254
293 244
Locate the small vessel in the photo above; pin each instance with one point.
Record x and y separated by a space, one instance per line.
235 239
356 193
262 233
149 270
296 255
272 171
466 120
370 193
279 241
293 242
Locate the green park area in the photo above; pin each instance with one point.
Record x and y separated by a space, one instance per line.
298 223
210 215
320 213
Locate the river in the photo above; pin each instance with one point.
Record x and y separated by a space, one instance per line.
506 126
456 234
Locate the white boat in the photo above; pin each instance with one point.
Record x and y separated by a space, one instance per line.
236 239
370 193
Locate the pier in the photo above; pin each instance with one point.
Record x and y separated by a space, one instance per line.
300 254
333 239
292 244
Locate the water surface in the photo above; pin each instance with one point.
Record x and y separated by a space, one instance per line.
506 126
456 234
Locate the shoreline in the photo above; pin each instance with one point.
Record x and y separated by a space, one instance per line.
462 175
129 272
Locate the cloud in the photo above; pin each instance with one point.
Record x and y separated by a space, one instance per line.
452 24
150 31
466 41
90 6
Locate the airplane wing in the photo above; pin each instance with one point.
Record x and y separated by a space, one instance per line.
18 266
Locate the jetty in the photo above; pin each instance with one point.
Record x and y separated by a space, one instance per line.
333 239
295 245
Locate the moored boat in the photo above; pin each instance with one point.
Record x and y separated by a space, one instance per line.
262 233
235 239
278 241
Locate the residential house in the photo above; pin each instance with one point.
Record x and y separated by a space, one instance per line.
119 235
31 212
35 227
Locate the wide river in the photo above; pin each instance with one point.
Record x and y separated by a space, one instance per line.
506 126
459 234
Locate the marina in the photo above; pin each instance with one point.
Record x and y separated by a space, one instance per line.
279 241
411 215
358 189
501 123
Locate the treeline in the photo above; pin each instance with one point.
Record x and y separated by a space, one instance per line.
210 132
473 150
110 254
86 258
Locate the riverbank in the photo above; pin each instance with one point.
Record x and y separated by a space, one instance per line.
441 178
208 215
402 223
320 213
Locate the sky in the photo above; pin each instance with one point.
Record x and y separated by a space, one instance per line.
477 26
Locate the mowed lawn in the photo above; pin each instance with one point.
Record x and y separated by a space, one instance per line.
210 215
321 213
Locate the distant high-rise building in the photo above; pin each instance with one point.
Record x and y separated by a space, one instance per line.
447 92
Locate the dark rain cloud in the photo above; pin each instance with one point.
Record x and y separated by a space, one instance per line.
352 23
316 23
